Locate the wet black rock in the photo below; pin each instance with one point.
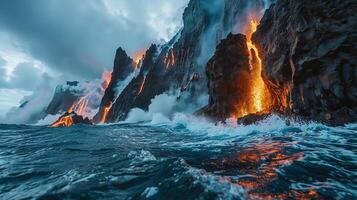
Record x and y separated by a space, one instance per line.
252 118
309 46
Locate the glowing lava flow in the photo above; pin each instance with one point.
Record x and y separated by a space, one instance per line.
142 85
138 56
260 90
166 61
172 57
260 99
107 77
105 114
169 59
81 106
64 121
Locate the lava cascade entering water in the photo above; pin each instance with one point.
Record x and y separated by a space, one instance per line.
259 99
80 107
105 114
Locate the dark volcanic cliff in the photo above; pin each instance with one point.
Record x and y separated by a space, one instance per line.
179 66
142 88
309 46
228 74
123 67
300 61
309 65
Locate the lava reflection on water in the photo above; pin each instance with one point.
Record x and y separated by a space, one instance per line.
256 167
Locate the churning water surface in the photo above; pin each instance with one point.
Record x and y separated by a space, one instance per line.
184 158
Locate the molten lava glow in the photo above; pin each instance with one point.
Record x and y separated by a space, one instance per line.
105 114
169 59
172 57
81 106
106 77
142 85
259 166
64 121
138 56
166 61
70 109
259 99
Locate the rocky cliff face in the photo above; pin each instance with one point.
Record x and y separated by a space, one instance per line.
309 47
142 88
179 66
300 61
123 67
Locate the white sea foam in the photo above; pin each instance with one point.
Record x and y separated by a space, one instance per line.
200 125
150 191
213 183
141 156
48 120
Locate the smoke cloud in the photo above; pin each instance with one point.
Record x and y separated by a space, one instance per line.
32 105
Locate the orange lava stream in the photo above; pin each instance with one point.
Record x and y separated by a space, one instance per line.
169 59
70 109
172 57
138 56
107 77
259 99
105 114
65 121
80 107
166 61
142 85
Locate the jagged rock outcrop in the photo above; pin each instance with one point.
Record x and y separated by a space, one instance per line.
228 75
142 88
70 119
123 67
309 47
64 98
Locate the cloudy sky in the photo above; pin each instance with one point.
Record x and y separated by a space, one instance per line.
74 39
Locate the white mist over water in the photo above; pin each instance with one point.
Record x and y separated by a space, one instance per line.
160 108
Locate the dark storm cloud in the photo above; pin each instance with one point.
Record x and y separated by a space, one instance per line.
25 77
76 37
